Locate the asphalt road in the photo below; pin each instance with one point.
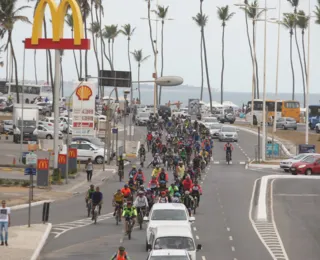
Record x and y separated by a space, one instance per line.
296 205
222 225
300 127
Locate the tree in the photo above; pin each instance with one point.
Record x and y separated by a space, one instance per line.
201 20
138 56
161 12
303 22
289 22
201 56
128 31
9 15
224 16
295 4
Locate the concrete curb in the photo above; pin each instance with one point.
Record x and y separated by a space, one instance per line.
263 166
33 204
44 238
276 140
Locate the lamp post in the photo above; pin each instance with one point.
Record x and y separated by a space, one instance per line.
125 94
308 80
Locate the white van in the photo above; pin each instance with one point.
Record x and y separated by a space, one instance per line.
179 237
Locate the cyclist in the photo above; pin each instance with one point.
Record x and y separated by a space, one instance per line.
141 203
176 198
187 183
196 162
188 201
117 201
120 255
180 169
149 140
183 154
133 171
139 177
142 152
163 176
153 184
89 193
126 191
173 189
196 191
150 197
156 171
163 197
228 147
204 154
131 184
96 198
128 213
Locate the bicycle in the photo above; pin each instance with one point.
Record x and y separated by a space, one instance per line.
89 207
228 157
141 216
129 220
118 214
121 174
142 159
95 213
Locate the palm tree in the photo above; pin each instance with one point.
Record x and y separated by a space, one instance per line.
9 15
161 12
138 56
114 33
303 22
224 16
95 31
295 4
201 56
201 20
289 22
128 31
69 21
253 13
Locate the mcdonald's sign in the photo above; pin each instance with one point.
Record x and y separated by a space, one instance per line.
43 164
62 159
58 13
73 153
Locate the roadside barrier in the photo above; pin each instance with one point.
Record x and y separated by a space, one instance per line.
4 136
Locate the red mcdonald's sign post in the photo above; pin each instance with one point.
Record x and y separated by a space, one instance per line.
43 164
62 159
73 153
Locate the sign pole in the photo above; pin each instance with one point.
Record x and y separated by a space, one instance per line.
29 208
117 147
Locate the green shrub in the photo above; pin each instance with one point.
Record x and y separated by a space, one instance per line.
16 183
25 183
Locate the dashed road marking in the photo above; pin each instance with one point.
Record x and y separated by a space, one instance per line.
228 229
194 229
230 238
203 258
197 237
233 249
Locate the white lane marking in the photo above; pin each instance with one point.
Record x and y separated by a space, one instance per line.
230 238
297 195
228 229
203 258
233 249
197 237
267 231
194 229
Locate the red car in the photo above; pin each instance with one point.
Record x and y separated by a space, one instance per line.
309 165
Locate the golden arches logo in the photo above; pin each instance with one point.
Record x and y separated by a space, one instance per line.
62 159
84 92
43 164
73 153
58 14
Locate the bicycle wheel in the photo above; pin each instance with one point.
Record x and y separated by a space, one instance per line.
95 217
140 220
117 217
195 205
89 209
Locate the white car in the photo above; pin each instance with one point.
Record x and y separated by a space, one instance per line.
173 214
88 150
207 121
317 128
50 122
228 133
169 254
286 164
214 130
47 132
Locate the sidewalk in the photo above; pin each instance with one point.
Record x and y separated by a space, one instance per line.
25 243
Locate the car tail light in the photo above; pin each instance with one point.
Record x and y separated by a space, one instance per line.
50 124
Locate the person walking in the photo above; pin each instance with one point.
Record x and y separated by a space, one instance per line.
4 222
89 169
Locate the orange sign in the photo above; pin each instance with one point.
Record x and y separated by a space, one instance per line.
73 153
62 159
43 164
84 92
32 147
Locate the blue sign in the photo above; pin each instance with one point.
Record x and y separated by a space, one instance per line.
114 130
307 148
30 171
276 151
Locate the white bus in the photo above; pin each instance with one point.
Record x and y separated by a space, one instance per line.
256 117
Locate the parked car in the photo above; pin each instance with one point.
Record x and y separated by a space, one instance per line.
209 121
317 128
47 132
228 133
286 123
50 122
286 164
142 118
7 126
308 166
89 150
94 140
44 108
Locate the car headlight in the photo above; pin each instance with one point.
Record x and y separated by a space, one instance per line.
302 166
35 132
235 135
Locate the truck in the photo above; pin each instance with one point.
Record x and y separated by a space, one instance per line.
25 121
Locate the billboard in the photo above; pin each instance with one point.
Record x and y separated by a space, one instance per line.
194 107
83 109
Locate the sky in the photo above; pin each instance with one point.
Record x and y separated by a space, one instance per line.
182 45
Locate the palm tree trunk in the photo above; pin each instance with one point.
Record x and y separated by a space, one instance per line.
292 68
160 90
116 91
101 47
255 60
222 67
139 83
300 59
305 67
131 88
150 28
35 66
49 56
15 66
7 66
250 46
105 55
201 57
207 70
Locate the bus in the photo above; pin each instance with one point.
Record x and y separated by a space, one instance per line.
30 91
255 118
290 108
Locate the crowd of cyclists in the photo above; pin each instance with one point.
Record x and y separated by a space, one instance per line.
179 148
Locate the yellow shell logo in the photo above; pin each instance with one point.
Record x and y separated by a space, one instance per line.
84 93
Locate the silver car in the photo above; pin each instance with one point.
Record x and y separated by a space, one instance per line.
214 130
46 132
228 133
142 118
286 123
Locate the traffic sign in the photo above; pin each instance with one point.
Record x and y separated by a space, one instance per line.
114 130
31 159
30 171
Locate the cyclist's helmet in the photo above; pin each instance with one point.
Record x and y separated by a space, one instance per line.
177 194
148 190
134 167
140 170
228 142
118 190
140 193
121 248
163 193
188 177
162 169
129 203
142 187
126 186
91 186
157 166
186 192
195 182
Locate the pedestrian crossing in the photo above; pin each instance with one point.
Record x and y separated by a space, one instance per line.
59 229
224 162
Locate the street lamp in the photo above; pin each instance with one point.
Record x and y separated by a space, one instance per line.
125 94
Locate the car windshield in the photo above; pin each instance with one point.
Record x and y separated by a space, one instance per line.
228 129
291 119
144 115
210 120
309 159
8 122
96 141
174 243
94 146
168 214
27 123
215 126
298 157
169 257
